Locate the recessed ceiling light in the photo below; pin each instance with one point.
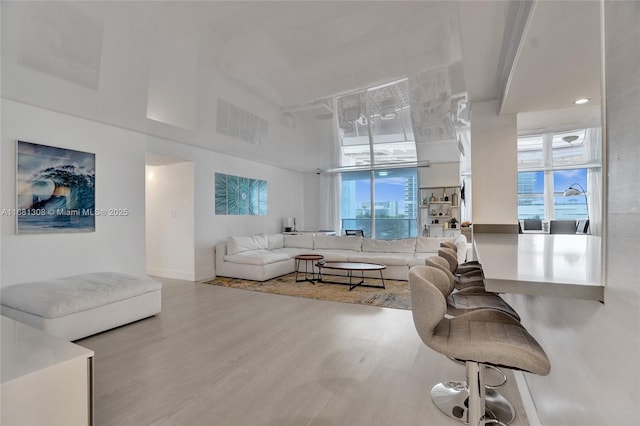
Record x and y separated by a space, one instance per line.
581 101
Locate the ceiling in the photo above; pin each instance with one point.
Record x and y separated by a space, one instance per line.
296 54
558 62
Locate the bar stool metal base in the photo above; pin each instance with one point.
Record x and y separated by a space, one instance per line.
452 398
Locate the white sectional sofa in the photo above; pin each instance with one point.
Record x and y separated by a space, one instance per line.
262 257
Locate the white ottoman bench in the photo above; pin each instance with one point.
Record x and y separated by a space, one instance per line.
82 305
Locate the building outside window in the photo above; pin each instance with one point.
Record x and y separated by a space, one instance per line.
550 163
394 209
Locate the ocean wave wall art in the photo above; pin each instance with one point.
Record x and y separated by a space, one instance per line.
55 189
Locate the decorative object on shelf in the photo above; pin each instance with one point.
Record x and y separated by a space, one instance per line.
453 222
462 193
425 231
289 224
441 207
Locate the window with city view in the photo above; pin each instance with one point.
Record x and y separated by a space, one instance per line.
548 164
376 138
394 207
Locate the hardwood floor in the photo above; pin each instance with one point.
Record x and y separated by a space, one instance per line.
222 356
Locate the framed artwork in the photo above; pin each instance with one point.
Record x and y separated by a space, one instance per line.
237 195
55 189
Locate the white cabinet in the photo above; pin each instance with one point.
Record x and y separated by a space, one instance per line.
45 380
440 211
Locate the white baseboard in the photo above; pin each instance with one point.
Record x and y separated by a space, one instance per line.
527 400
167 273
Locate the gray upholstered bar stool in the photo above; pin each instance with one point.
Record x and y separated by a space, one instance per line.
451 245
471 277
479 338
465 268
450 395
468 298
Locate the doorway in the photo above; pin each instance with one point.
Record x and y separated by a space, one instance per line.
170 217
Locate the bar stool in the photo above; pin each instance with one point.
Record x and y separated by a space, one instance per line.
451 245
468 298
469 277
479 338
451 395
469 267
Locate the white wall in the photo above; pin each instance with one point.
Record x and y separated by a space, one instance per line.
285 198
170 226
443 174
118 242
493 165
594 348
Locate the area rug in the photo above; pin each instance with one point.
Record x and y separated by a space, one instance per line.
395 295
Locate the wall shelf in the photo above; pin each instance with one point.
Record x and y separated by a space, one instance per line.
439 203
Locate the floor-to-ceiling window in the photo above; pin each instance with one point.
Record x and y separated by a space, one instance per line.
558 175
394 210
379 175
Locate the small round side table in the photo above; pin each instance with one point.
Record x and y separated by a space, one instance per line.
306 258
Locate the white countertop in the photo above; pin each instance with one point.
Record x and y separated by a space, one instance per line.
25 350
542 264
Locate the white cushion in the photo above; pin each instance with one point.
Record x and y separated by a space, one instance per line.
461 243
275 241
329 242
304 241
429 244
405 245
337 255
388 259
240 244
257 257
416 261
64 296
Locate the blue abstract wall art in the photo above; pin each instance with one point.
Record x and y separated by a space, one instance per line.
55 189
237 195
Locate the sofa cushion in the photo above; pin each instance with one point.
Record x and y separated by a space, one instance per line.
304 241
337 255
240 244
416 261
275 241
405 245
330 242
292 251
461 242
388 259
429 244
256 257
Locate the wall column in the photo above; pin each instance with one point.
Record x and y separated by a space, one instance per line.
493 165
